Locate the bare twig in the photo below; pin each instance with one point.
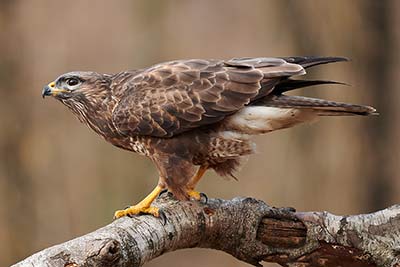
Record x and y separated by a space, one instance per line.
246 228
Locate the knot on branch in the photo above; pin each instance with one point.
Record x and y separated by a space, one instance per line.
249 233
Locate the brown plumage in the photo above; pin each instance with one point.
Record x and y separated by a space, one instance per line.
188 113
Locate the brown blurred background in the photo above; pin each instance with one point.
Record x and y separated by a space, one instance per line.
58 180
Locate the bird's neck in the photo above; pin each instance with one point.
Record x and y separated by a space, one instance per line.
94 113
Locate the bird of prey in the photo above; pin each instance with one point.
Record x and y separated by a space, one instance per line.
188 113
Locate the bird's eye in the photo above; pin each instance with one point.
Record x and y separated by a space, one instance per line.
72 81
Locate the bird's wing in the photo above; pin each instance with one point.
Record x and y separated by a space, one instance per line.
174 97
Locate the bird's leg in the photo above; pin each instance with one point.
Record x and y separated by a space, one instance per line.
193 182
143 206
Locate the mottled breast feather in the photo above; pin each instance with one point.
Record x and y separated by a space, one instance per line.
173 97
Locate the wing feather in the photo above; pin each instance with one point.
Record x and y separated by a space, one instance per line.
173 97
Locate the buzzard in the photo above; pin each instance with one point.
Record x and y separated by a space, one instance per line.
187 113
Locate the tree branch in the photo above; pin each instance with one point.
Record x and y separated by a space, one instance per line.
246 228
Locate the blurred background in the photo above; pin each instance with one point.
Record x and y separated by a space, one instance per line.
59 180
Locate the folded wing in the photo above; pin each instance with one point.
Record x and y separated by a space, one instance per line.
171 98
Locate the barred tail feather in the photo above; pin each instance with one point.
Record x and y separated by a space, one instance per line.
320 106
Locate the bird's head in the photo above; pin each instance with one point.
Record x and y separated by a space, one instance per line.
86 94
74 85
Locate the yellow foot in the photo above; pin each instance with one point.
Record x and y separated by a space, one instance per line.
144 207
197 195
137 209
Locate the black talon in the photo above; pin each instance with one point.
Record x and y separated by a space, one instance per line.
129 215
163 192
202 195
162 216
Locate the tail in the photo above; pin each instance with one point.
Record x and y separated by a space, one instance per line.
279 111
319 106
322 107
282 111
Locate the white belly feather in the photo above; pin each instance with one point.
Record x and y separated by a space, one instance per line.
258 119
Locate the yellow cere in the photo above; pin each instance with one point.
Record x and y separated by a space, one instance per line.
54 90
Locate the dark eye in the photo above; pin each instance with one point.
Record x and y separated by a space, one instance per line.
72 81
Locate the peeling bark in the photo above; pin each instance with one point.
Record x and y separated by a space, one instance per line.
246 228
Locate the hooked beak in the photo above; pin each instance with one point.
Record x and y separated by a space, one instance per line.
52 90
